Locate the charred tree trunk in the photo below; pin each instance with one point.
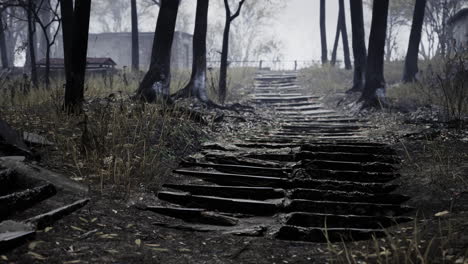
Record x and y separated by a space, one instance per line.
3 47
225 49
359 45
135 41
74 94
66 12
323 32
341 29
344 35
158 78
32 42
411 62
374 89
335 44
197 84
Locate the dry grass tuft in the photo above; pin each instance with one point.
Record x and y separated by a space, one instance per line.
116 143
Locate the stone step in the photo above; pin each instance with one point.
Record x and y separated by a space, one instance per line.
239 169
346 208
21 200
284 99
351 196
196 215
227 205
300 108
275 182
351 166
255 193
348 148
236 179
344 156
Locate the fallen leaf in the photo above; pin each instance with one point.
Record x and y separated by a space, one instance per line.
152 245
4 258
138 242
112 251
93 220
72 261
36 256
47 229
34 244
161 249
84 220
443 213
78 229
185 250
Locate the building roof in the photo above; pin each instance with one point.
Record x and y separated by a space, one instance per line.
89 61
459 15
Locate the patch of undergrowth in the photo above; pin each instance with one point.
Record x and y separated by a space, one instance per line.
437 240
240 82
325 80
115 143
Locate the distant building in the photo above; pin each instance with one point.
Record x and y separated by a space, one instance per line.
459 29
93 66
91 63
118 46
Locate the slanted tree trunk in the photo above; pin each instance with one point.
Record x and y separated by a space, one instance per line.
344 35
411 62
225 49
3 47
374 89
32 43
197 84
135 41
335 44
359 45
323 32
158 78
341 29
74 94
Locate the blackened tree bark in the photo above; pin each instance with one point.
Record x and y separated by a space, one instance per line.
337 40
135 41
374 89
158 78
323 32
344 35
359 45
32 42
225 50
3 47
66 12
341 29
411 62
74 92
197 84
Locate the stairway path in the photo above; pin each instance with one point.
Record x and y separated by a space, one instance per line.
315 177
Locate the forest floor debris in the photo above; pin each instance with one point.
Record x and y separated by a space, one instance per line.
110 229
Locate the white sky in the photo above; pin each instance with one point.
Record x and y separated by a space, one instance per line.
297 26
